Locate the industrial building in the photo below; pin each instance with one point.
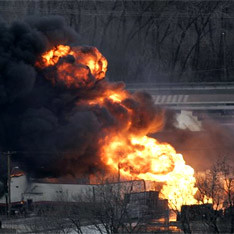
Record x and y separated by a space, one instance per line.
147 204
27 193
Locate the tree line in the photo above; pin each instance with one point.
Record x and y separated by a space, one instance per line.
154 41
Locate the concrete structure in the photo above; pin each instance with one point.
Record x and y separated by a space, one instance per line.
190 96
194 101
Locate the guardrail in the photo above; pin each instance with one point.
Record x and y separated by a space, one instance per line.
180 86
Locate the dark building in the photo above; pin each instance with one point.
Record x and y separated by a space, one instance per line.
195 212
147 205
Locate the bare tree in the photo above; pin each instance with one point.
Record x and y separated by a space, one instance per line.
62 215
107 208
216 186
57 218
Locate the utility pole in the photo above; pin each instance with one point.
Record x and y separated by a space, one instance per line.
118 173
224 57
8 154
118 180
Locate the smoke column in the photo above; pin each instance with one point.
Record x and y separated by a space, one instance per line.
40 117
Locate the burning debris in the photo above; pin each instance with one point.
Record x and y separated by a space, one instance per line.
65 118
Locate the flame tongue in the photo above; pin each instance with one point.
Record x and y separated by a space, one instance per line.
52 57
124 146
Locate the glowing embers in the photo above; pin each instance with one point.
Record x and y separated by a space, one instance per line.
146 158
73 67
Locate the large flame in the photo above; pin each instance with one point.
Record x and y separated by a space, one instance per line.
142 157
126 149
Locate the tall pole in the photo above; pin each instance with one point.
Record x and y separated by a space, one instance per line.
9 183
118 173
118 180
224 57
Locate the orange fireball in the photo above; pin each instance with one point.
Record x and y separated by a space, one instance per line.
75 67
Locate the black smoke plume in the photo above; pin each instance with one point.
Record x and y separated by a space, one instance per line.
41 123
37 121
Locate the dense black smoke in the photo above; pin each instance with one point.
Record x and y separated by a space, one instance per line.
49 134
38 120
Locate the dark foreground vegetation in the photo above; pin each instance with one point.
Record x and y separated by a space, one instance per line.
123 208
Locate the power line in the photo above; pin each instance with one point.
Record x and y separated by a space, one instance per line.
108 13
107 1
73 152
